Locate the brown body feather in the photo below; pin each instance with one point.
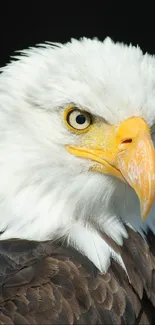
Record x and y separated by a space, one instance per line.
46 283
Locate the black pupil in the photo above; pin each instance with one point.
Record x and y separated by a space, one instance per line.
80 119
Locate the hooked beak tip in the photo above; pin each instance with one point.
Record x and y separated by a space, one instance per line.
145 207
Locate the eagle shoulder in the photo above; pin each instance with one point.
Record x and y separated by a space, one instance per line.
47 283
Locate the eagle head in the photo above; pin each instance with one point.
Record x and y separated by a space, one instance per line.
77 158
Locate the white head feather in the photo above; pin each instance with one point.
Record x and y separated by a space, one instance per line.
45 192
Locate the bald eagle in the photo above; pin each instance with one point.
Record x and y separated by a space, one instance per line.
77 185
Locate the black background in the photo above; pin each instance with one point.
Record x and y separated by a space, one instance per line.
25 24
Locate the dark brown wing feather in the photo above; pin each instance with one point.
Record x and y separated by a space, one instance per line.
46 283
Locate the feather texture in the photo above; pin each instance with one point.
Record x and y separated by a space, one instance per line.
47 283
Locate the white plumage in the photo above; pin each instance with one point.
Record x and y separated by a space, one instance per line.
45 192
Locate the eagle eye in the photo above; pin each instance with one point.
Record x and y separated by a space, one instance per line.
77 120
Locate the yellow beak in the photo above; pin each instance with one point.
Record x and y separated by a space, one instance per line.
126 152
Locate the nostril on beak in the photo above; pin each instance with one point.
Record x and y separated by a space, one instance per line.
126 141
